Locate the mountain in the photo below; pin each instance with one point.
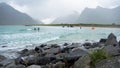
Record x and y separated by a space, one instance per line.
100 15
67 19
10 16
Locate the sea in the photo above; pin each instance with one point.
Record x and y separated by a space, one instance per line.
16 38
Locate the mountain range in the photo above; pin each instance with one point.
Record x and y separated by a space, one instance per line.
99 15
67 19
11 16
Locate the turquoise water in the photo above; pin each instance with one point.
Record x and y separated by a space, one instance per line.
19 37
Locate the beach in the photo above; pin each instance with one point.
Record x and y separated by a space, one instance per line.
52 47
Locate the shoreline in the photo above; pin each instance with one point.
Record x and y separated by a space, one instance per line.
60 56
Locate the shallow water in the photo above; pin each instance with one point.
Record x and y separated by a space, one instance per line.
14 38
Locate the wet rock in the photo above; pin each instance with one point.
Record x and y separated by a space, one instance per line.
111 40
109 63
103 40
82 62
43 45
38 49
2 58
65 44
26 52
87 45
34 66
55 46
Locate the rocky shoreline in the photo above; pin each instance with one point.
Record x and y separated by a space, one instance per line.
75 55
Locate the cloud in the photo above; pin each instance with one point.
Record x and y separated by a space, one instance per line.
43 9
20 8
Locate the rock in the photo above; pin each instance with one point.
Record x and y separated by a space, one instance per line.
2 58
38 49
112 50
43 45
29 60
59 65
109 63
34 66
65 50
102 40
55 46
82 62
73 56
87 45
16 66
53 50
26 52
111 40
6 62
119 43
65 44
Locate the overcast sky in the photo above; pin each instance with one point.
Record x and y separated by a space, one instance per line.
47 10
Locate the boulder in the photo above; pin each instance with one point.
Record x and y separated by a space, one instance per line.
53 50
112 46
111 40
73 56
112 50
30 60
16 66
59 65
34 66
6 62
87 45
2 58
39 49
109 63
102 40
26 52
82 62
65 44
54 46
43 45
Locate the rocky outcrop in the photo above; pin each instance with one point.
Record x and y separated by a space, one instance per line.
83 62
111 40
109 63
112 46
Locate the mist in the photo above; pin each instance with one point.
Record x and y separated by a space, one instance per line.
48 10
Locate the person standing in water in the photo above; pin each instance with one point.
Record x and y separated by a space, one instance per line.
38 28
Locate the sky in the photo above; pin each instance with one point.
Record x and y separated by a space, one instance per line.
48 10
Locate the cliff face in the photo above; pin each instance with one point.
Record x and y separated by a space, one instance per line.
10 16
